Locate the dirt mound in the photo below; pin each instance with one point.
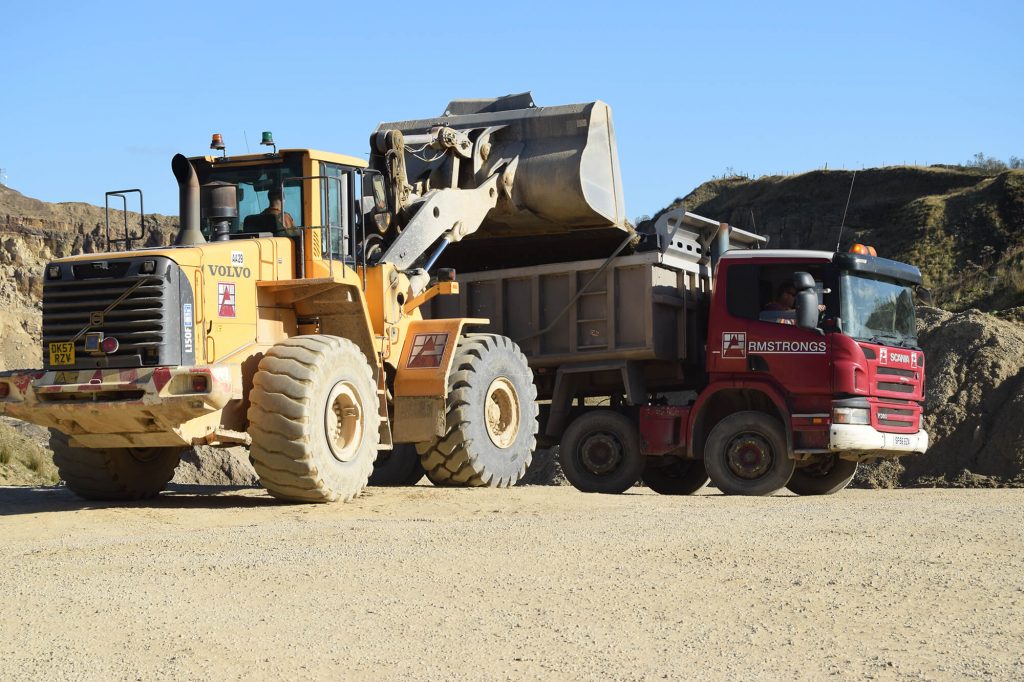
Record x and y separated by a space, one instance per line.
204 465
974 403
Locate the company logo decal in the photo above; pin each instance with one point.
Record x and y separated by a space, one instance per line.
779 347
225 299
886 356
734 344
427 350
228 271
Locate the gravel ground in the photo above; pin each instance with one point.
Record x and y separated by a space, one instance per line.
527 583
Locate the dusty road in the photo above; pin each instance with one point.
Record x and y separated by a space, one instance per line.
427 583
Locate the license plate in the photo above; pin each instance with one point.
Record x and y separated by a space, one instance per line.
62 353
897 442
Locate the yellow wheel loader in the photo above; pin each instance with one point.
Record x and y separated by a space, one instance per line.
286 315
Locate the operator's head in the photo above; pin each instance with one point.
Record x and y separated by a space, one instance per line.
786 293
274 194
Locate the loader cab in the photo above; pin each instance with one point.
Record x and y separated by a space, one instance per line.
333 203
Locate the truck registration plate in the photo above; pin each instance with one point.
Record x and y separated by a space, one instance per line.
62 353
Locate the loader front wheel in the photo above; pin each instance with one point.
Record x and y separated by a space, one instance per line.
113 473
491 417
314 420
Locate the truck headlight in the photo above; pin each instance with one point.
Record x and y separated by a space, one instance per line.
53 272
851 415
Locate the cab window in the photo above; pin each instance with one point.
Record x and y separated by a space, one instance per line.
766 292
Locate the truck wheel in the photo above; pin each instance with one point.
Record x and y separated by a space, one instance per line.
600 452
677 477
491 418
313 419
398 466
746 455
825 476
113 473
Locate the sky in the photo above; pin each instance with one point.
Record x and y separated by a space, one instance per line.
100 96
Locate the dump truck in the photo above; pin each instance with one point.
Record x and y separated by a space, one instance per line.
286 316
670 361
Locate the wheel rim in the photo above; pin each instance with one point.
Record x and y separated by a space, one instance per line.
749 456
600 454
343 421
501 412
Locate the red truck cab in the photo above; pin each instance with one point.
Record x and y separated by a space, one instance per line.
841 371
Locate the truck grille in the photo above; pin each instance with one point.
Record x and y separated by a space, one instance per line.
116 299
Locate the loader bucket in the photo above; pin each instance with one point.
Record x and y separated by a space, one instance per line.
567 178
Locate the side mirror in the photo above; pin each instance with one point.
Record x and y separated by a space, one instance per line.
806 301
924 295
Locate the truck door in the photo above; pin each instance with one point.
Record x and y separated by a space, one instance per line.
754 333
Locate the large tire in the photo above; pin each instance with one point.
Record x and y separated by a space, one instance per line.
398 466
113 473
600 452
676 476
314 419
825 476
746 454
491 417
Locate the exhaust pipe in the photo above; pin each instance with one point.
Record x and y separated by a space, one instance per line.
189 233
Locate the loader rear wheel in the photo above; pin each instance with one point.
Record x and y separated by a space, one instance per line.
113 473
491 417
398 466
675 476
746 454
600 452
825 476
314 419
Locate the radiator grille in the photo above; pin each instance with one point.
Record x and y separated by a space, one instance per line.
116 299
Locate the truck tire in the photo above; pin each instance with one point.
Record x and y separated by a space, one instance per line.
600 452
491 417
398 466
746 454
825 476
676 477
113 473
314 420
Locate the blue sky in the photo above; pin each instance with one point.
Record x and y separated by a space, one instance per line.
99 96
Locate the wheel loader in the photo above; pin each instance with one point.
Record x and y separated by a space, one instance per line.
286 316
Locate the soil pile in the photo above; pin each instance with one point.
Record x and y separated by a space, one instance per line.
974 408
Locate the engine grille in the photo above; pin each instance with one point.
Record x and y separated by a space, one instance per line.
114 298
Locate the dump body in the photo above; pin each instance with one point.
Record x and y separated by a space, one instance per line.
642 306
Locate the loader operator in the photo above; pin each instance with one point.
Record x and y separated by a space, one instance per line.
273 218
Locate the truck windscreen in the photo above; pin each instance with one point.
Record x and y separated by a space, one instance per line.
878 310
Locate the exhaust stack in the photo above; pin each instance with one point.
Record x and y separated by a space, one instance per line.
189 233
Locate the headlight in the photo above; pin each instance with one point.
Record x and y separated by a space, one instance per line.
53 272
851 415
